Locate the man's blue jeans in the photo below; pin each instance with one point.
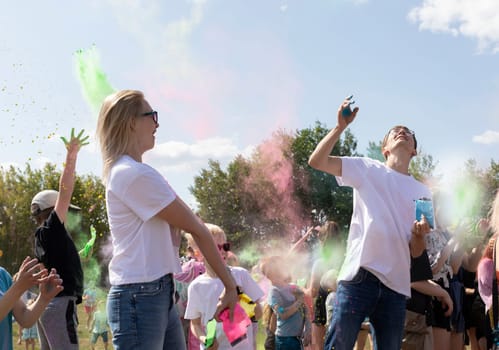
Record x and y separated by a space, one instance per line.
365 296
142 316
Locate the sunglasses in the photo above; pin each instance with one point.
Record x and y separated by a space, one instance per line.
407 132
153 114
225 247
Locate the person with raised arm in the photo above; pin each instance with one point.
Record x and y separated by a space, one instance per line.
382 238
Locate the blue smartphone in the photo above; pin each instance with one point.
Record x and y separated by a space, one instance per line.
347 111
424 206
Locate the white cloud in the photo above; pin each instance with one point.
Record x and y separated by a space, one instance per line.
476 19
487 138
180 156
283 7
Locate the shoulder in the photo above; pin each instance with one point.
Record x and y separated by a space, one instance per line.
126 171
127 166
363 161
239 271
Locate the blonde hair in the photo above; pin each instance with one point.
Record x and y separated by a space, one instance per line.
216 231
114 126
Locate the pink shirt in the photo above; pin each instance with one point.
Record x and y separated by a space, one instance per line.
485 274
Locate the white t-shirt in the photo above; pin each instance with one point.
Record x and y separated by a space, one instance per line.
202 299
142 243
383 214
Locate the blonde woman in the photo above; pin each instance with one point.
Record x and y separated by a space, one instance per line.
142 209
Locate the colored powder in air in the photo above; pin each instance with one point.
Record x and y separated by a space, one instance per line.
93 80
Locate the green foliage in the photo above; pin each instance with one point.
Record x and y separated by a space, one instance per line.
17 188
321 196
422 167
374 151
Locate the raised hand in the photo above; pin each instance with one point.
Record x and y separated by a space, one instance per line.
76 142
345 114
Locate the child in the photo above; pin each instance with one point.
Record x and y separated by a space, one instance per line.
30 273
191 269
204 292
99 326
57 327
293 329
89 299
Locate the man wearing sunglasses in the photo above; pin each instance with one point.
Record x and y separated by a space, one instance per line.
382 238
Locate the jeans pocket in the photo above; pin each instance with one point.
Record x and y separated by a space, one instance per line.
148 290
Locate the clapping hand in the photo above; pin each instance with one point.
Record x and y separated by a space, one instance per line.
30 273
50 285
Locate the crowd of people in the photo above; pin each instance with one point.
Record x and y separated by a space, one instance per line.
397 280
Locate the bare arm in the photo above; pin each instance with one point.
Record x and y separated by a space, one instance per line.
320 158
50 286
29 274
198 331
301 240
179 215
432 289
288 311
446 252
67 180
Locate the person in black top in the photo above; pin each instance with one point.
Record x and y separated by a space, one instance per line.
57 326
417 329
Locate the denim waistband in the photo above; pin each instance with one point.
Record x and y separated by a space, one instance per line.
166 278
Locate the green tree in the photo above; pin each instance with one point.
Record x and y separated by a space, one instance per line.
321 196
220 196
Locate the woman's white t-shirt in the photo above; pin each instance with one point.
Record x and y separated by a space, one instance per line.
142 243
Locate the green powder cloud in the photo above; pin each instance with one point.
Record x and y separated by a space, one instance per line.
94 83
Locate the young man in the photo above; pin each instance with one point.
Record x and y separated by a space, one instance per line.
375 278
55 249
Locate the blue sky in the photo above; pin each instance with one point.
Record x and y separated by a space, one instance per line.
225 74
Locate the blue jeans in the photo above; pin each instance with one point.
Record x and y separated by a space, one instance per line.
287 343
143 316
365 296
